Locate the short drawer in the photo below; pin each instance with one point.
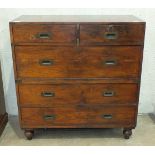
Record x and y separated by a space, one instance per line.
31 95
123 34
86 62
44 33
116 116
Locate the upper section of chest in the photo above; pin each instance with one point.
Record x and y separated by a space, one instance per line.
78 30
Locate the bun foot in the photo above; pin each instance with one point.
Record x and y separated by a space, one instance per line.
127 133
29 134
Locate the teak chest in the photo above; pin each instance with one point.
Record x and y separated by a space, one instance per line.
77 71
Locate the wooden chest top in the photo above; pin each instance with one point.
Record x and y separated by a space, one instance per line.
78 19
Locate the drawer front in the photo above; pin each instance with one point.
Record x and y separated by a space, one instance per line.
112 34
76 94
78 117
33 33
68 62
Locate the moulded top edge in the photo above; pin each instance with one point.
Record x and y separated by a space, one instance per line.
77 19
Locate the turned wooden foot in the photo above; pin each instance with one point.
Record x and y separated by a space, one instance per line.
127 133
29 134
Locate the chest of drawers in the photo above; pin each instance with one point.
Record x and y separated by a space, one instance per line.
77 71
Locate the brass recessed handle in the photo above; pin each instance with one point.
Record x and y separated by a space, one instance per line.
46 62
110 62
110 35
49 117
44 35
108 93
47 94
107 116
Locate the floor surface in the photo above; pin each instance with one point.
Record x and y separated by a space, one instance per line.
144 134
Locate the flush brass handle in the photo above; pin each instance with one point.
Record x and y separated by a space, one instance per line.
110 35
108 93
48 94
49 117
110 62
44 35
46 62
107 116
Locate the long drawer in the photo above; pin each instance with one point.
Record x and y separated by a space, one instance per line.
32 95
112 116
72 62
